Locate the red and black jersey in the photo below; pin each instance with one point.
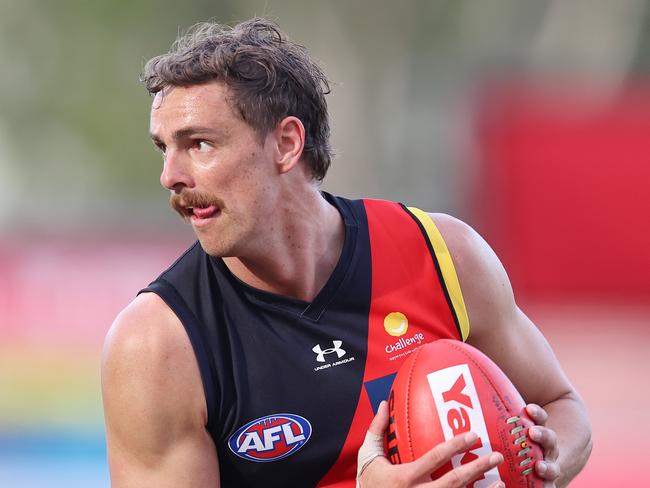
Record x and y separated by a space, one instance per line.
291 386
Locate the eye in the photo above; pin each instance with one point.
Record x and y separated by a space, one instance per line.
160 147
203 146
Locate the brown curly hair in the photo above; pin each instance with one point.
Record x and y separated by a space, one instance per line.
268 75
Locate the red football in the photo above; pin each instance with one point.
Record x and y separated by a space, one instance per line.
447 388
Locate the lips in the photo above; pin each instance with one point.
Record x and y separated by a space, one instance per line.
204 213
200 214
197 208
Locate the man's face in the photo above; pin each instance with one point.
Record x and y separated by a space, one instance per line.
219 172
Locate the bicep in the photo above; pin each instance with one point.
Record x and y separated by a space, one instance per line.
154 405
523 353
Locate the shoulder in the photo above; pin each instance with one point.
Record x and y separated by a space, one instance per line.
147 355
483 280
472 255
147 329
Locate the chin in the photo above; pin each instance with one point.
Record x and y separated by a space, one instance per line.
214 248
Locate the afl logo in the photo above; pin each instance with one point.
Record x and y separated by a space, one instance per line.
270 438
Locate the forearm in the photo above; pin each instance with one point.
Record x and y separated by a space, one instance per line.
567 416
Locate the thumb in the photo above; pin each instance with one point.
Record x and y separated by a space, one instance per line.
373 444
379 424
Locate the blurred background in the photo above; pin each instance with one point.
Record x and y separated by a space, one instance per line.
528 119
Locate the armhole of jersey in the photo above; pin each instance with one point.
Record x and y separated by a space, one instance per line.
446 268
191 325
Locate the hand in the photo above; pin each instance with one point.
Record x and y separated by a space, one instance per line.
549 468
377 471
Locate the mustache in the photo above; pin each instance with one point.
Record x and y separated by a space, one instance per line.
181 202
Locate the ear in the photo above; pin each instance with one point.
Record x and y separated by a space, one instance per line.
290 141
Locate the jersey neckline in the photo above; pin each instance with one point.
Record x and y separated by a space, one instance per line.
310 310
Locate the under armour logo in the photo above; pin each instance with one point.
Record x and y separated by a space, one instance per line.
320 353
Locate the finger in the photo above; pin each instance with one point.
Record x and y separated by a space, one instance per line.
537 413
547 439
466 473
439 455
380 423
547 470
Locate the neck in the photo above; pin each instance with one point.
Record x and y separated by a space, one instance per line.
299 250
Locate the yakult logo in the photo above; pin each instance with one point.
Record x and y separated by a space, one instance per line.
460 411
270 438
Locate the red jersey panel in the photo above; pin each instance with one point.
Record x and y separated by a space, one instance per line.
410 306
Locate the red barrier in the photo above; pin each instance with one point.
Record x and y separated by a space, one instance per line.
563 190
68 290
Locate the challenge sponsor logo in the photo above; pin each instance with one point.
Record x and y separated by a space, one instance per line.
337 349
396 324
270 438
460 411
403 343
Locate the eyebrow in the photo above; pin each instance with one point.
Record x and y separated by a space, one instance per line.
185 132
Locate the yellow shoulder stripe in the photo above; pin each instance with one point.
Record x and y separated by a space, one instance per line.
446 268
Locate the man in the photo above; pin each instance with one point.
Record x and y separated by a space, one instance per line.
261 355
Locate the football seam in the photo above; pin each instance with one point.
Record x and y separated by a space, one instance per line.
408 401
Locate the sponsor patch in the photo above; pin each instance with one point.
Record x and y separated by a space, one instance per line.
400 344
396 324
271 437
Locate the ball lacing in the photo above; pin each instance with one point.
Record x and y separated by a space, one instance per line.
521 442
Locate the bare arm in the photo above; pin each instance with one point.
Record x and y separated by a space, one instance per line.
503 332
154 403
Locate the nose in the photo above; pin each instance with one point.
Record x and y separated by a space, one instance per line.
176 173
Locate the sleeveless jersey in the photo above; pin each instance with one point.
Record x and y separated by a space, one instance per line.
291 386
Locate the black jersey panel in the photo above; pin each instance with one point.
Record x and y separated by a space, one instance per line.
274 358
195 333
